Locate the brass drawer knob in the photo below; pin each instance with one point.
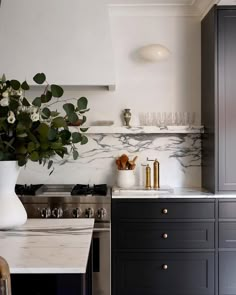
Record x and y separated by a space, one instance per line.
165 211
164 266
165 236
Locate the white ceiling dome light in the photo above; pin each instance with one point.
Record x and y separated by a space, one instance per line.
154 52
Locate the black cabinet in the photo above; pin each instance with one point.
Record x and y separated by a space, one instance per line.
163 273
218 99
227 247
158 249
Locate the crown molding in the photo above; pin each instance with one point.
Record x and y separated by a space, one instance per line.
195 8
152 10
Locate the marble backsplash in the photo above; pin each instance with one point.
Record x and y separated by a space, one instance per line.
179 156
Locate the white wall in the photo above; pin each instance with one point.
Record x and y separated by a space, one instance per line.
172 85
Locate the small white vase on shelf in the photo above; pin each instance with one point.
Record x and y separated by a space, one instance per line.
12 212
125 178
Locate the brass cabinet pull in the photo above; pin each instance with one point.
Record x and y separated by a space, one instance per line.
165 211
164 266
165 236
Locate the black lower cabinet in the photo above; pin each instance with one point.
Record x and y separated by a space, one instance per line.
227 273
46 284
163 273
170 251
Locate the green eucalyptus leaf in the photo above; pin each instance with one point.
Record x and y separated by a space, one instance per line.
31 147
3 79
84 129
39 78
72 117
76 137
50 163
75 154
52 134
24 119
48 95
13 105
22 161
82 103
15 84
43 130
56 90
84 119
34 156
25 102
54 114
37 102
46 113
84 140
59 122
25 86
51 171
65 135
69 108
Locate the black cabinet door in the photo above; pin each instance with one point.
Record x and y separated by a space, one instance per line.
163 273
163 235
227 273
146 210
227 98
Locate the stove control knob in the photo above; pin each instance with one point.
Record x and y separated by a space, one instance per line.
76 212
57 212
101 213
45 212
89 212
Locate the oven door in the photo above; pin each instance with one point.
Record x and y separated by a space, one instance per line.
101 259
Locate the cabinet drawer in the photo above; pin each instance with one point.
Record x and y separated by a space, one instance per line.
163 235
227 234
162 210
227 270
227 210
163 273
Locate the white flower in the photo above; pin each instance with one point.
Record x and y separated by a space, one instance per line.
5 94
4 102
11 118
34 117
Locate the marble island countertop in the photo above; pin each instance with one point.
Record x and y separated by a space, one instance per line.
48 246
163 193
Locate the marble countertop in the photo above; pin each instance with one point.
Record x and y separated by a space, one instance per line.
142 193
48 246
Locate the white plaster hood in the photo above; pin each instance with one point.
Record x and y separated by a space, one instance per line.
67 40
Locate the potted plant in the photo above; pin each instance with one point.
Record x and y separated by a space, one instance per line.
33 130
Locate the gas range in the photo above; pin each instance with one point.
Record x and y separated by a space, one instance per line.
67 201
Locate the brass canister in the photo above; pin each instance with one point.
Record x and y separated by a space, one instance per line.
148 177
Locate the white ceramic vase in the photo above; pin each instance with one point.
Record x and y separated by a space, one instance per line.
12 212
125 178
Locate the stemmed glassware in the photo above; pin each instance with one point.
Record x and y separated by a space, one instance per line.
167 119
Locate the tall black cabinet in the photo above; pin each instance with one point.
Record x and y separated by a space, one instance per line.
219 99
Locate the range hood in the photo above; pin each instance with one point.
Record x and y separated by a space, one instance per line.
68 40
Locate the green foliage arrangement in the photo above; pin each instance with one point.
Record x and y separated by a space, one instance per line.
32 130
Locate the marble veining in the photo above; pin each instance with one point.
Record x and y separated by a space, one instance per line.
48 246
179 156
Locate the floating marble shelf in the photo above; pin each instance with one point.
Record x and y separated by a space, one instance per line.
141 130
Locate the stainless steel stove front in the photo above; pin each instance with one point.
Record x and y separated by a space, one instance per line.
57 205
